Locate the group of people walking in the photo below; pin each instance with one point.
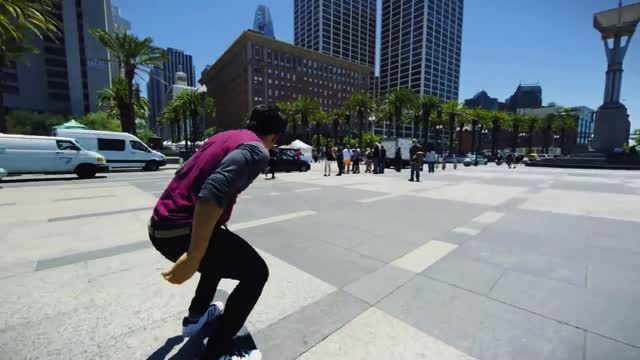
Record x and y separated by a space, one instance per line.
350 160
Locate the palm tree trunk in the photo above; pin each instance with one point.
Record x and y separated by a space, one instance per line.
3 119
480 138
547 139
426 119
514 139
360 125
185 121
452 130
131 114
336 126
396 120
530 142
562 135
494 132
460 130
474 124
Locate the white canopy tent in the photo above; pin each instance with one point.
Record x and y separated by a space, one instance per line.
306 149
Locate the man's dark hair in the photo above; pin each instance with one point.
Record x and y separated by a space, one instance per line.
266 120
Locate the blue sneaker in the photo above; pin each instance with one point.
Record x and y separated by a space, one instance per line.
191 327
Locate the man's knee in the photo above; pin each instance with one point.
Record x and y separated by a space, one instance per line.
261 274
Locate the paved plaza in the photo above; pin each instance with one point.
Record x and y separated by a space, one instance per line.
479 263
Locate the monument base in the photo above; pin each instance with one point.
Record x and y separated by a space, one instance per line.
611 128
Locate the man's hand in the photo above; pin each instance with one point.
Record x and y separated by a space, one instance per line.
182 270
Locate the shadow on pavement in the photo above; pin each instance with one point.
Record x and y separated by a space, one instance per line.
193 347
17 181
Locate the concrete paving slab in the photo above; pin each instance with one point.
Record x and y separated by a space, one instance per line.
600 348
604 205
376 335
482 194
375 286
460 271
611 316
296 333
421 258
481 327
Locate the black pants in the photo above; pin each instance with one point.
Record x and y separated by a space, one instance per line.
356 167
230 257
340 167
415 170
432 166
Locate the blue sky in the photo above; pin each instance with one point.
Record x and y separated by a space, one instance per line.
505 42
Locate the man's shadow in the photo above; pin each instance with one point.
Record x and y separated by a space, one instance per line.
194 346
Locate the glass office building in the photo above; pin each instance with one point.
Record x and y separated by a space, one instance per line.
421 44
345 29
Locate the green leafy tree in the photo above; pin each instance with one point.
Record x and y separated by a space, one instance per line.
456 115
516 123
362 105
134 55
426 106
399 100
172 115
369 139
143 132
336 119
100 121
307 108
636 136
477 116
498 122
30 123
293 118
532 122
567 121
546 124
21 20
190 104
115 101
209 132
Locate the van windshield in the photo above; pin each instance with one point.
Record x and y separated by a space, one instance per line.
68 145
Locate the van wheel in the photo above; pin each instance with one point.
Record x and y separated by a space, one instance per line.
152 165
85 171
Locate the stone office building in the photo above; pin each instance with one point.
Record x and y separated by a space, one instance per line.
261 70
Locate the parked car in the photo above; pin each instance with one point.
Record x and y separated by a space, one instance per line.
122 150
26 154
286 161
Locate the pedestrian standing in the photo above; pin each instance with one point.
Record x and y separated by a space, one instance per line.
416 157
273 159
188 227
398 159
444 161
455 162
346 159
340 161
431 161
375 154
330 157
383 159
357 159
367 160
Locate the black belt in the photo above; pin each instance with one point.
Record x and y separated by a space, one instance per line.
168 233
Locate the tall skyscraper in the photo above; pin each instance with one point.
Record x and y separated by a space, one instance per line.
161 78
156 95
345 29
68 72
262 22
119 23
420 46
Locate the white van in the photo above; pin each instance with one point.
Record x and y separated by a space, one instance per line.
122 150
26 154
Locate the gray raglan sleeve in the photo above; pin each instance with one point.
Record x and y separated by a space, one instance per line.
235 173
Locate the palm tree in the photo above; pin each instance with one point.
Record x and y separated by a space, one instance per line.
336 118
114 101
317 121
477 115
190 104
498 121
532 123
516 123
546 125
427 104
484 121
455 113
133 54
361 104
172 114
566 122
20 20
306 108
399 100
289 111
